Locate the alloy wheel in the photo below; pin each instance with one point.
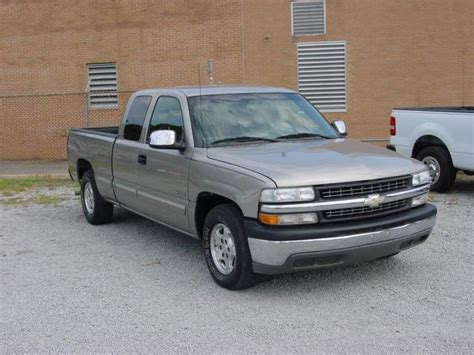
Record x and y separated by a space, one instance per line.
89 198
222 247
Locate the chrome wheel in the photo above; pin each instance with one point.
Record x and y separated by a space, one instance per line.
433 167
89 198
223 248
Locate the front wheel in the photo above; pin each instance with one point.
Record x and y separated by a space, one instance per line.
95 208
226 248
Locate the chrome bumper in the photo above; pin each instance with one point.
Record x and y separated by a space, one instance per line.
274 256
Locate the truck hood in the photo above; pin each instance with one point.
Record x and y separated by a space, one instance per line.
316 162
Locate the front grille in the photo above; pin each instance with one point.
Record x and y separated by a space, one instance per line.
366 188
350 213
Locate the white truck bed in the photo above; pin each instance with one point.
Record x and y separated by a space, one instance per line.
451 128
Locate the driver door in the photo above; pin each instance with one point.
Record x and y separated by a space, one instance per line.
163 178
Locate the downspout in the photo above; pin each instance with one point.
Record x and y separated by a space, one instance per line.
243 39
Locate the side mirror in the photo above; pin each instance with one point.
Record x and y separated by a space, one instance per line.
164 139
340 127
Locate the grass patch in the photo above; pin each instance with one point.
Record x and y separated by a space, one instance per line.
42 191
48 200
39 200
16 201
9 187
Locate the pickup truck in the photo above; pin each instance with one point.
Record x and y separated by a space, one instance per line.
258 175
441 137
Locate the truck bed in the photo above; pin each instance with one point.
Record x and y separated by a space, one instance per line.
101 131
94 145
451 127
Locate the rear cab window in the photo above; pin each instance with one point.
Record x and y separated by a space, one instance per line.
135 118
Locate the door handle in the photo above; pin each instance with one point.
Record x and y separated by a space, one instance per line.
141 159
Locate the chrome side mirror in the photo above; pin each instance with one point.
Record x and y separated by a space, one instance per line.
164 139
340 127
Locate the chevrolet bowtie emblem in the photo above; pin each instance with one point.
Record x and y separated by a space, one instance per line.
374 200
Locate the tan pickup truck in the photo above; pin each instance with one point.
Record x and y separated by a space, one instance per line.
258 175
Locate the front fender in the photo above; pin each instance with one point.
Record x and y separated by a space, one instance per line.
238 186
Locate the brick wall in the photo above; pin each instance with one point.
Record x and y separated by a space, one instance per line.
45 46
399 53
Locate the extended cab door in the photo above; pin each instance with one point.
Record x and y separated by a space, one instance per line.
126 154
163 178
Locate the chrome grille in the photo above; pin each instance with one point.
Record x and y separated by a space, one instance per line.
358 189
366 210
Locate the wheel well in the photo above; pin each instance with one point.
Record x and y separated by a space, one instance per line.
82 166
205 202
427 141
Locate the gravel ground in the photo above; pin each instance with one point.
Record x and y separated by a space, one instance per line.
135 286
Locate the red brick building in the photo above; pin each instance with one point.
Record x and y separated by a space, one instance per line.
355 60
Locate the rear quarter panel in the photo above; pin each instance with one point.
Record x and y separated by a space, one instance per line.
455 130
97 150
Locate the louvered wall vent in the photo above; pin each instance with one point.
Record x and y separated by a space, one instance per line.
102 85
322 74
308 17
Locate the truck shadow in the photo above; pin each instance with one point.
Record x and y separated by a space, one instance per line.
335 279
181 248
464 184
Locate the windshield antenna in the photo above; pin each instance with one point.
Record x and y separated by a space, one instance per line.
199 78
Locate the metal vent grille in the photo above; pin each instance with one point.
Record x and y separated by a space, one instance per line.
322 74
364 211
308 17
365 189
102 85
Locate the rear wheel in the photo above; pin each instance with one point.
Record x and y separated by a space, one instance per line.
95 208
440 166
226 248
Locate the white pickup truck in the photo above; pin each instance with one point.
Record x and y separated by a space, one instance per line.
441 137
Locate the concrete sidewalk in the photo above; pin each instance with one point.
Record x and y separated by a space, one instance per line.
33 168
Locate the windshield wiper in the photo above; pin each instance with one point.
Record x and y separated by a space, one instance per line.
243 139
303 135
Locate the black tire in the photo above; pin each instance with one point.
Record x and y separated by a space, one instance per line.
447 172
242 275
102 211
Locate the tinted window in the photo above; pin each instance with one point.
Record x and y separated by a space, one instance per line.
136 117
167 115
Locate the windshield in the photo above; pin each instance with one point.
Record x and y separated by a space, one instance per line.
222 119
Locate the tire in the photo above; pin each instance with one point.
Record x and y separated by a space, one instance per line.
438 158
95 208
233 273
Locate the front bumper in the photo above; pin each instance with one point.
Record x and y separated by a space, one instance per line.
343 245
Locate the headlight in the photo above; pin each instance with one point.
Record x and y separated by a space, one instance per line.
288 219
421 178
297 194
